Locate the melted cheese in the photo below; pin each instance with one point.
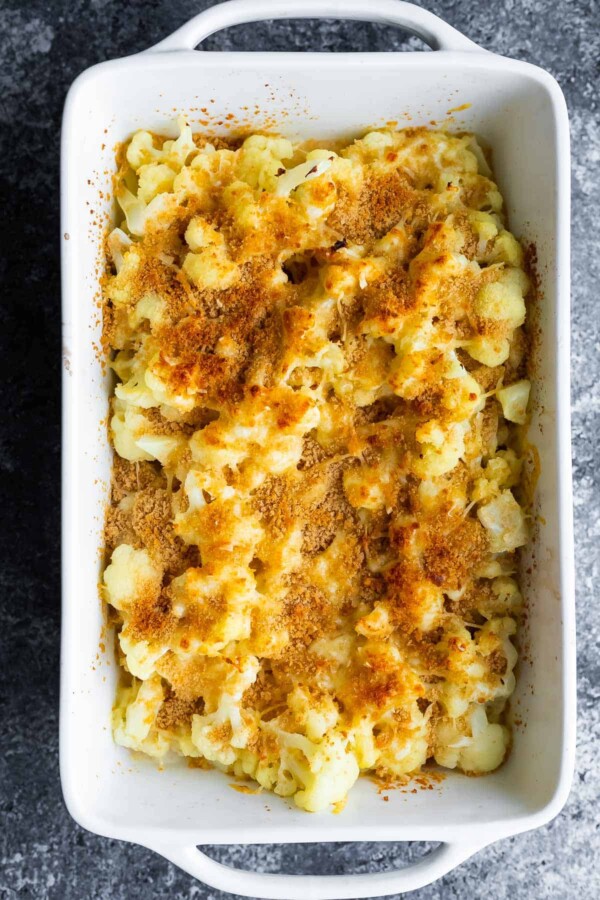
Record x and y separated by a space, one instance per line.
313 525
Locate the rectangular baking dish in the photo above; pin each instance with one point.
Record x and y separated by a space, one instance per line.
520 110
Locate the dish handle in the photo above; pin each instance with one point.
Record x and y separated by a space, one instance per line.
318 887
431 29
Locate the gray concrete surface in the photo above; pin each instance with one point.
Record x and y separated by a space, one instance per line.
44 44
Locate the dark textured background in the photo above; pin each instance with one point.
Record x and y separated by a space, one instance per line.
43 46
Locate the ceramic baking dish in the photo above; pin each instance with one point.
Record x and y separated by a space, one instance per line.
519 109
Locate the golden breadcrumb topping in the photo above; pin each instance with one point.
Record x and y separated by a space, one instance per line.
319 364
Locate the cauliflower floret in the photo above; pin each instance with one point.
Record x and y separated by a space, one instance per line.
128 425
485 227
211 269
221 734
276 428
315 715
134 715
200 234
514 400
154 179
260 160
488 350
364 744
504 468
493 639
373 145
475 149
133 391
209 265
377 623
508 597
141 657
151 307
238 198
486 751
118 244
441 448
501 471
130 574
334 770
301 174
365 486
502 301
221 596
316 774
505 523
119 287
405 748
178 152
506 249
139 215
166 448
416 362
473 744
141 150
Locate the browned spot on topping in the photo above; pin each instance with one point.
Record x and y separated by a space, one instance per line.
365 216
133 476
497 662
454 548
175 712
312 452
150 617
389 297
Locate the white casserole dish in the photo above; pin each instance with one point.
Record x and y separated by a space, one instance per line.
520 110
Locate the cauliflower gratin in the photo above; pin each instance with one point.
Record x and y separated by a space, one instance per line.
313 533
